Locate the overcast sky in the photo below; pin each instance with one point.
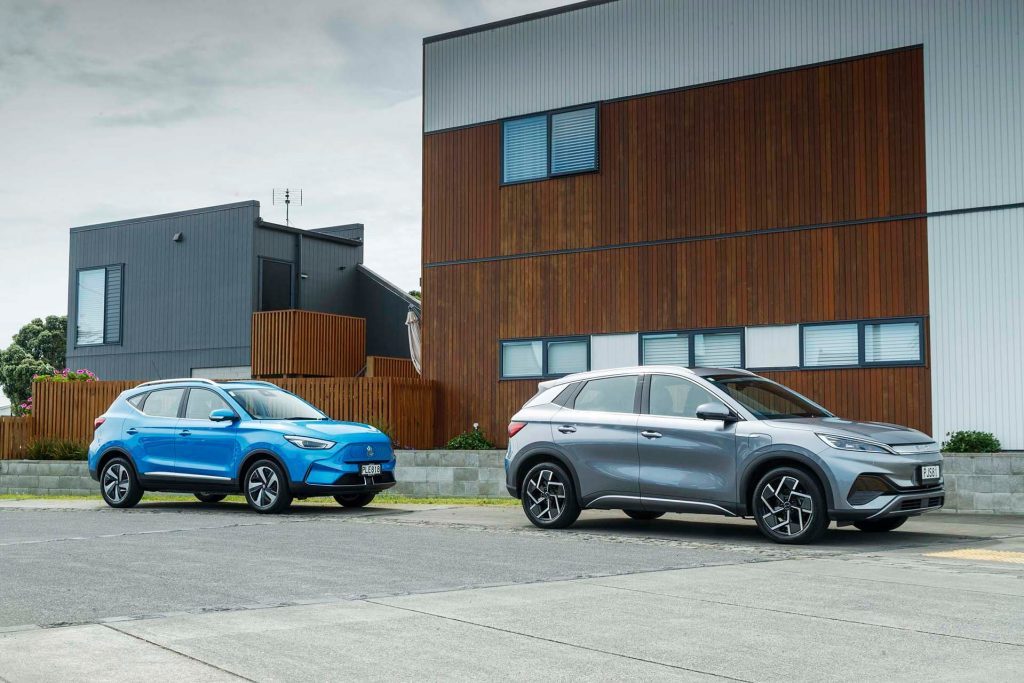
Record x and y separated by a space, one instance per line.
117 109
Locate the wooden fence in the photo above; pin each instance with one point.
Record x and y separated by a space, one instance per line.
404 408
384 366
15 435
307 344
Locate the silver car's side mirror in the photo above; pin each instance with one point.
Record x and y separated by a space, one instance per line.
715 411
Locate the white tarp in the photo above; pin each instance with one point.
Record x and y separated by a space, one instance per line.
412 321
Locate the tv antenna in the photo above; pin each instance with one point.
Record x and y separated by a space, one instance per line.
286 196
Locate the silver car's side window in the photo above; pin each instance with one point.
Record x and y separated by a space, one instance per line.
608 395
677 397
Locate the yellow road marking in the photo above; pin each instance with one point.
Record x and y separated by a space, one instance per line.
980 554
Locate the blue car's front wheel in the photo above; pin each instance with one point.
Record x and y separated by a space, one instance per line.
266 488
355 500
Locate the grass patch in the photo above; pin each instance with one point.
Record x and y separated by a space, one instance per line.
382 500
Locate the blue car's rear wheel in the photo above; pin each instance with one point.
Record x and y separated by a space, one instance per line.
119 485
266 488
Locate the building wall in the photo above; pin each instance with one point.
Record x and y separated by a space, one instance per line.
767 201
185 304
385 308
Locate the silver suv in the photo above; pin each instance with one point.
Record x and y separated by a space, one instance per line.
657 439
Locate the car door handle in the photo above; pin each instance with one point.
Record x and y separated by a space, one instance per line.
132 431
567 429
186 433
648 434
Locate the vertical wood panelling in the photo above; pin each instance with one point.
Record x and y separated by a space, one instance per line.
383 366
306 343
15 435
842 142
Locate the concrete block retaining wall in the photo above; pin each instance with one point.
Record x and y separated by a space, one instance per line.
975 483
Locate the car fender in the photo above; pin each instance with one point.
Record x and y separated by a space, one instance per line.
808 459
546 448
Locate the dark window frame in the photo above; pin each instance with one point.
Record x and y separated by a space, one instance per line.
548 175
181 403
545 342
183 406
861 363
691 359
120 294
291 283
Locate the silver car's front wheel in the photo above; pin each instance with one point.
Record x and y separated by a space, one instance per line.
789 506
266 489
549 499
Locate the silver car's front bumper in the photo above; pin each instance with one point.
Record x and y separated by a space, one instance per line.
912 503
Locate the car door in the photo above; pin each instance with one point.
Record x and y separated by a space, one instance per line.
598 430
206 449
152 434
682 457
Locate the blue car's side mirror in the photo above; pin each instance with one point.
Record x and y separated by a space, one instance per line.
223 415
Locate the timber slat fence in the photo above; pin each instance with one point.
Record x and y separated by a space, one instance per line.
402 407
385 366
307 344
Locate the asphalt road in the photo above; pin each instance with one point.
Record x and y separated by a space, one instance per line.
169 590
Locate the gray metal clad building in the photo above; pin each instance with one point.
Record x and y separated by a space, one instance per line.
173 295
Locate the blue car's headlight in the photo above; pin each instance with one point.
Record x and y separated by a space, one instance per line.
844 443
309 443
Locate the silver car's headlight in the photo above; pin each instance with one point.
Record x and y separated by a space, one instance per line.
845 443
309 443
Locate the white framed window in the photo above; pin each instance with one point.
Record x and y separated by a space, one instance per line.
831 345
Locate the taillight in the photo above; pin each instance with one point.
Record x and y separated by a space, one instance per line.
98 421
514 428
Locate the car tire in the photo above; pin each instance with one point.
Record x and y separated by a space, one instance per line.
355 500
210 497
119 485
880 525
643 515
789 506
549 497
266 488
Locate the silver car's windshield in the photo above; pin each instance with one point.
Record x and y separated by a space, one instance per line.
765 399
274 404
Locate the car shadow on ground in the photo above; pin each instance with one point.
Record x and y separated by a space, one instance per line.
298 508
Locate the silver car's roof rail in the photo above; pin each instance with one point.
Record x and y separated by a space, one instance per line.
249 381
176 381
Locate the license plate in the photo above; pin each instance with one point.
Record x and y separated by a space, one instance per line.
929 472
370 470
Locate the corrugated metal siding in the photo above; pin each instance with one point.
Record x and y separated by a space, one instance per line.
179 297
974 68
977 323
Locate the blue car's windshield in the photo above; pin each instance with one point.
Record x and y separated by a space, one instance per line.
265 403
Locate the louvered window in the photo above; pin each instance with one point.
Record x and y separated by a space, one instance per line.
545 145
574 141
897 342
666 349
831 345
522 359
98 318
718 350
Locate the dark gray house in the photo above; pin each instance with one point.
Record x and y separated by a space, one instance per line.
174 295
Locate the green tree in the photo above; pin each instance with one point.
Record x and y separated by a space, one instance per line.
415 293
37 347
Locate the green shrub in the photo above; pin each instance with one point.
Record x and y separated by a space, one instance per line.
967 441
470 441
55 449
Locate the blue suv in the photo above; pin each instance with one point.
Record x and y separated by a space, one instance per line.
219 438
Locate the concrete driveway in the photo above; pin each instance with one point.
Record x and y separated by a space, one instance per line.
174 590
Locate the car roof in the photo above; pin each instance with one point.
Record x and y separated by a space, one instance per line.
199 381
645 369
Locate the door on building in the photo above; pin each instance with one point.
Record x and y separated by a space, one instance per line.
277 283
682 457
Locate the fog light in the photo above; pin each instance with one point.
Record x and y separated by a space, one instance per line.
867 487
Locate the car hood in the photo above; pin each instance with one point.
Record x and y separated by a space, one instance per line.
889 434
332 429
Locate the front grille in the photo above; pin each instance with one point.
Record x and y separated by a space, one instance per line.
360 480
914 504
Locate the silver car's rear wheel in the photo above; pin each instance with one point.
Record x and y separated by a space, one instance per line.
549 499
789 506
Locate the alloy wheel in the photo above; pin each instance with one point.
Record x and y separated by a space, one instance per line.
546 495
264 487
785 506
116 483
